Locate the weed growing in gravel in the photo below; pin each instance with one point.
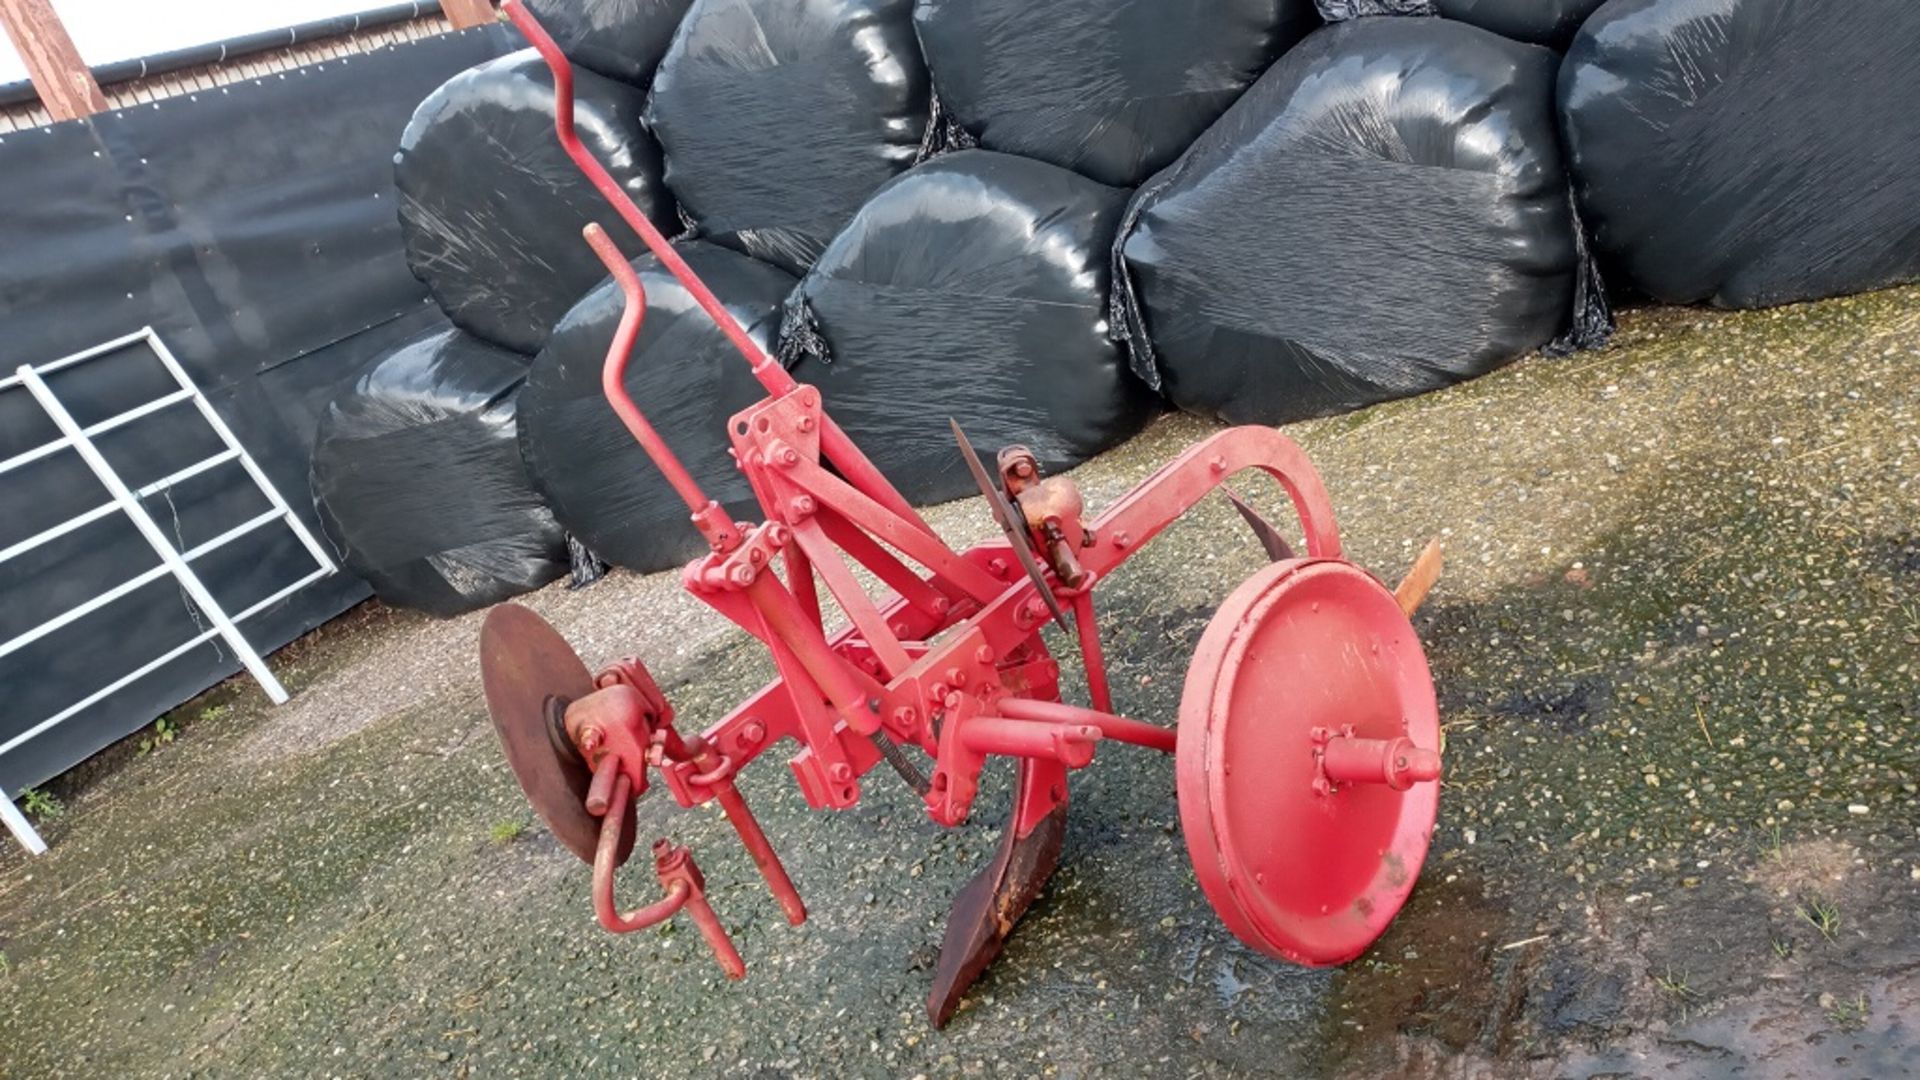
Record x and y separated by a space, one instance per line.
1820 915
1783 947
164 732
1849 1015
506 832
39 804
1676 988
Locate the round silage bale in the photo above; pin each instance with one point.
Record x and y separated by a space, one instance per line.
417 477
973 287
1112 89
779 117
1747 152
685 376
621 39
1382 214
491 208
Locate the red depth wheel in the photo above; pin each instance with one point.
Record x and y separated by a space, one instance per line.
1297 867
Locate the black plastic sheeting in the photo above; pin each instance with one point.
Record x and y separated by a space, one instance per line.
1748 152
1341 10
685 377
1542 22
1113 89
620 39
417 474
972 287
492 208
780 117
1539 22
253 228
1382 214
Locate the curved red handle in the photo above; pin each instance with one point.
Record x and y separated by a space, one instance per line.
679 876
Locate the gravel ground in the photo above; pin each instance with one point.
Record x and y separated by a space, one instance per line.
1675 649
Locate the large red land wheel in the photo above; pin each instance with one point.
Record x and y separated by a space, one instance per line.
1298 868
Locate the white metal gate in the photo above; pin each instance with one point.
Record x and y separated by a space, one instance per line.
126 500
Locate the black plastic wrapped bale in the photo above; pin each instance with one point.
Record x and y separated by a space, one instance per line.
780 117
1113 89
418 480
621 39
1542 22
1382 214
972 287
1747 152
491 208
685 376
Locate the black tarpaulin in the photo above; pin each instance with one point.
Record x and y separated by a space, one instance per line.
1382 214
779 117
1747 152
685 376
973 287
253 227
492 207
620 39
1113 89
417 475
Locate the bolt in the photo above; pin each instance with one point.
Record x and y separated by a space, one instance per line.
1218 464
806 423
904 716
1123 540
752 733
997 567
956 677
840 772
952 701
873 703
800 506
788 458
756 556
1321 787
590 740
938 691
983 654
899 629
940 605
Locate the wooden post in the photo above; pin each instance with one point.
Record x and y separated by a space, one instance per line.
461 13
59 76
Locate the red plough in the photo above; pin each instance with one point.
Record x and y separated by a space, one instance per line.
1307 748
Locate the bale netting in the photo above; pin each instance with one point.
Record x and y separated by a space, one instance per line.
1747 152
491 208
1112 89
620 39
780 117
1382 214
683 374
418 481
972 287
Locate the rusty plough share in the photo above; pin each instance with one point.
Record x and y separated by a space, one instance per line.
1308 741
